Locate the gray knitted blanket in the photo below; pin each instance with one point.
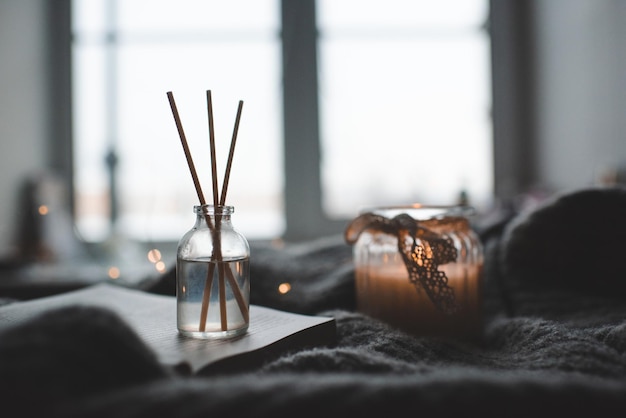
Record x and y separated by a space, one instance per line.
553 344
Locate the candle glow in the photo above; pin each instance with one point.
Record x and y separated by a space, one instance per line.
412 302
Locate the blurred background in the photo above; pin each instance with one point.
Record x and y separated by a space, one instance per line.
347 105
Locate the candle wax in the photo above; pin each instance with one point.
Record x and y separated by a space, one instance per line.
384 291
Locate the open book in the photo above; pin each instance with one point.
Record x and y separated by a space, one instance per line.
153 318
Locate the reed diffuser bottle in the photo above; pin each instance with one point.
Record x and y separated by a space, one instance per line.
213 277
212 262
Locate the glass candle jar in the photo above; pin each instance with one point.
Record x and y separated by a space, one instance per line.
419 268
213 277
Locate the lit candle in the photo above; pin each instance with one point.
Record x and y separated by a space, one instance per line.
384 288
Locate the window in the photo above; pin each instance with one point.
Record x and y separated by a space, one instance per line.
125 60
403 100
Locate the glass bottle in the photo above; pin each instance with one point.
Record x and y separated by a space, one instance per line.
213 277
419 268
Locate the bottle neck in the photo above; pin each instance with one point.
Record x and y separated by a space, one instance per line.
212 215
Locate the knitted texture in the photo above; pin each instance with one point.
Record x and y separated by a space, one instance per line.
547 349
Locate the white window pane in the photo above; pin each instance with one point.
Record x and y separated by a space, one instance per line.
88 16
156 192
419 14
90 175
404 119
181 16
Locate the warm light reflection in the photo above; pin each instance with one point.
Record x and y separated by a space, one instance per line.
114 272
278 243
154 255
43 210
284 288
160 266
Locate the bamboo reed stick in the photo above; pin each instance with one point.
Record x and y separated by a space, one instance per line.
209 102
229 274
183 139
238 296
217 241
231 152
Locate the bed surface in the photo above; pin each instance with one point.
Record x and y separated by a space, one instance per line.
549 346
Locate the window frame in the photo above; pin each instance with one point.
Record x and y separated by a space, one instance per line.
304 214
305 217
